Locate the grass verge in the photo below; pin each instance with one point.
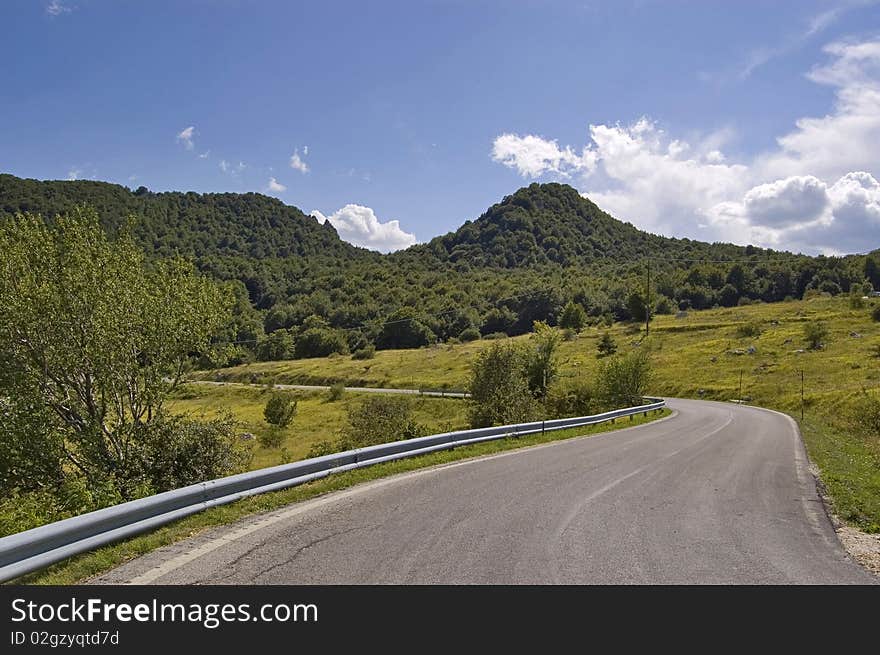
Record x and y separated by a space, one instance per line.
81 567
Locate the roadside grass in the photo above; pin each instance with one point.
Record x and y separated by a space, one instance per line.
317 417
79 568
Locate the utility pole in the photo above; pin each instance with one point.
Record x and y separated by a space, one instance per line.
740 395
802 395
647 297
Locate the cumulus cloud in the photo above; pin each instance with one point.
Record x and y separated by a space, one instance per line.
74 174
275 186
815 191
360 225
297 163
186 137
533 156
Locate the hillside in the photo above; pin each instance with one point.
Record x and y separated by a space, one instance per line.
303 292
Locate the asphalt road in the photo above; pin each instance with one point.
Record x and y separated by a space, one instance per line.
717 493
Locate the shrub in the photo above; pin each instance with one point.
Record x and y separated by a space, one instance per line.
323 447
469 334
815 333
272 438
336 391
499 387
750 329
367 352
855 299
865 416
280 409
380 419
622 380
569 398
606 346
495 335
875 313
573 317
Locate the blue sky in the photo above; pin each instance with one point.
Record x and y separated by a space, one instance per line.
746 122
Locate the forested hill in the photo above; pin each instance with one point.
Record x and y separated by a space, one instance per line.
553 223
248 225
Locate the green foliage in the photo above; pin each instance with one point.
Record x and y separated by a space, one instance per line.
404 329
543 363
367 352
815 333
272 438
606 346
865 415
318 339
499 387
623 380
469 334
635 305
379 419
568 398
855 298
279 345
751 329
96 337
336 392
875 313
323 447
280 409
574 317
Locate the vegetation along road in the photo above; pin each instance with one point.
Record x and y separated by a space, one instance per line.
717 493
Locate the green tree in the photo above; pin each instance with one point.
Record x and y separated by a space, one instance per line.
543 363
96 336
622 380
404 329
280 409
380 419
606 346
573 317
499 387
635 305
815 334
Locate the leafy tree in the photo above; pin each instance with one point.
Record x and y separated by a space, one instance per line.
568 398
543 363
815 334
403 329
573 317
498 319
728 296
470 334
875 313
606 346
380 419
280 409
622 380
276 346
499 387
96 337
635 305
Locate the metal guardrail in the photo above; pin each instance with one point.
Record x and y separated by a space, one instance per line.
40 547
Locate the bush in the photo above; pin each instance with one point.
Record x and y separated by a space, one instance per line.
573 317
469 334
865 417
319 342
750 329
367 352
855 299
336 391
875 313
815 334
569 398
182 451
606 346
495 335
499 387
280 409
323 447
272 438
622 380
380 419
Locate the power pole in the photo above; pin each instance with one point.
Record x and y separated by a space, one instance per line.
647 297
740 395
802 395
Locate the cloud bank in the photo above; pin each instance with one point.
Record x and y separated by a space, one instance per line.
360 226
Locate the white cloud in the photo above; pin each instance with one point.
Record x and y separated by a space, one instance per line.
224 165
533 156
813 191
56 8
360 225
74 174
186 137
205 154
275 186
298 163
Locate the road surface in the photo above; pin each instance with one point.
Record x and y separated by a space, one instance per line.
717 493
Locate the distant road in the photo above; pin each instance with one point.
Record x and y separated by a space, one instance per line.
718 493
311 387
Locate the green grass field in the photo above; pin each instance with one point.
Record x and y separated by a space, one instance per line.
697 356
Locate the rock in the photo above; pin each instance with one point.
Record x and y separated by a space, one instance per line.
751 350
855 335
713 359
736 351
787 341
247 436
700 392
799 351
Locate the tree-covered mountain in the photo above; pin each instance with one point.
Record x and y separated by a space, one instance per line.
302 291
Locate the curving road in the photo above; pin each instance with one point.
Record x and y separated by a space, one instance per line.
716 493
